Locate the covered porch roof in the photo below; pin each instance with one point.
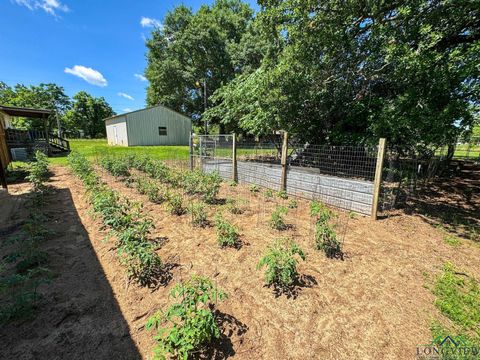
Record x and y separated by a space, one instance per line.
26 112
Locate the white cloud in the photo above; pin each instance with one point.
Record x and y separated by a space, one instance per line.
127 110
90 75
149 22
140 77
126 96
49 6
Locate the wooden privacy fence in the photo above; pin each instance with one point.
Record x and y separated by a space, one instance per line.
347 177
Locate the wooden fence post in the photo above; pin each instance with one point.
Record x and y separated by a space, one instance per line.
283 184
378 177
3 176
234 159
190 144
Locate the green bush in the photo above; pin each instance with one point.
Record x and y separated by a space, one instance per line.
277 220
227 234
281 262
188 325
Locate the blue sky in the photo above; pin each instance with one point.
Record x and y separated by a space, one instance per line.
92 45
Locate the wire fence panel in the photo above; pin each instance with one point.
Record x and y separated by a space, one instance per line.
406 172
341 176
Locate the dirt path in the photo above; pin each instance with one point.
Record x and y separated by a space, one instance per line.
372 305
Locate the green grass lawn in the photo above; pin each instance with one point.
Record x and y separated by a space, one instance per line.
97 147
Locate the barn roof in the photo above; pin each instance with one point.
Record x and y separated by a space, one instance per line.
26 112
144 109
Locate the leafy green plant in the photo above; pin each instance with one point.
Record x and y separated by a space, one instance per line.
188 325
175 204
268 194
227 234
116 166
233 206
38 171
320 211
254 188
281 263
277 220
282 194
326 240
198 214
292 204
151 189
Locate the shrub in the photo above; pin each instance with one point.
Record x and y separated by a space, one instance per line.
38 171
281 263
188 325
277 220
175 204
198 214
227 234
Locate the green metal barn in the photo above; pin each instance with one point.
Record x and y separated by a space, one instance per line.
156 125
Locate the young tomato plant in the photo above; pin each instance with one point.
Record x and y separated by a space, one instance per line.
277 220
188 325
38 171
227 234
233 206
198 214
175 204
325 235
281 262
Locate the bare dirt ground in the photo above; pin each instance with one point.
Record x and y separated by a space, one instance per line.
371 305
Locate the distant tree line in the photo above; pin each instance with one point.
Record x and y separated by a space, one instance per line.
81 113
327 71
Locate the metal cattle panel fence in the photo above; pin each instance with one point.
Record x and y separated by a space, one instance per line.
341 176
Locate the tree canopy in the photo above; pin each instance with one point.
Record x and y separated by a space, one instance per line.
87 114
193 50
82 112
333 71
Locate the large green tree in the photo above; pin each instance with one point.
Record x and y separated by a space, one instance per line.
194 54
353 71
87 114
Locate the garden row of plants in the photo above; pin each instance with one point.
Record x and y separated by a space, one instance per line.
187 326
25 266
125 220
206 186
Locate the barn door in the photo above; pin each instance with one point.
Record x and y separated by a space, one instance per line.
115 135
